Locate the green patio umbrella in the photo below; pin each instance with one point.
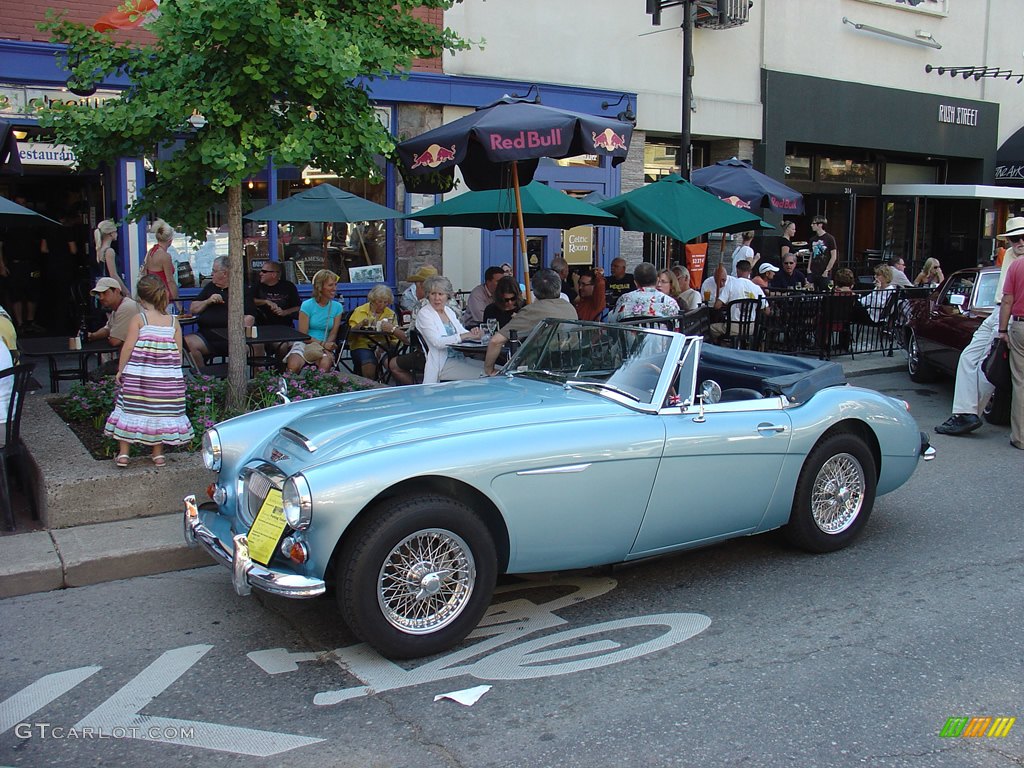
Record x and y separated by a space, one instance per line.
673 206
543 207
323 203
12 213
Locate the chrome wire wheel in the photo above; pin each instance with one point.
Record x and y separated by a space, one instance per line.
426 581
838 493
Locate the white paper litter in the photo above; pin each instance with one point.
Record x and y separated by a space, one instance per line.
467 698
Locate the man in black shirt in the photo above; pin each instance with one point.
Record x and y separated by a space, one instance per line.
276 299
211 310
790 277
617 283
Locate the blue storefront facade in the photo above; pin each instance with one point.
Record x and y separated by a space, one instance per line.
31 75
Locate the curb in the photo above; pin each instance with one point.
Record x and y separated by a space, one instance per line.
61 558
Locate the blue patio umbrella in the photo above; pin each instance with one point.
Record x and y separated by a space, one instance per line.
736 182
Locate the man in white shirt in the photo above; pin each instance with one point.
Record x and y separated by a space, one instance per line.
6 383
899 275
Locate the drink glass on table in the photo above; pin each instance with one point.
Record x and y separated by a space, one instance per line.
492 326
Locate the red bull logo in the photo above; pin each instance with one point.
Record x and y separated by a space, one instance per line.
527 140
609 140
736 202
783 204
433 156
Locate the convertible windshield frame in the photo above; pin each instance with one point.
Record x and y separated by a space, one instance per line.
631 365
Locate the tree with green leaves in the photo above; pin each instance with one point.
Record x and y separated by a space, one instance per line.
273 79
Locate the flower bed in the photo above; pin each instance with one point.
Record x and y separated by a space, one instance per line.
87 406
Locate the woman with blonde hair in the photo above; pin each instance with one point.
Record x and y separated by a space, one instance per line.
376 313
104 236
930 275
320 317
158 261
679 280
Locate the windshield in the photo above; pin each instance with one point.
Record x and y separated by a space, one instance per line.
607 358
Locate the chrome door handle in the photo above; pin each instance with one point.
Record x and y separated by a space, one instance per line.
771 428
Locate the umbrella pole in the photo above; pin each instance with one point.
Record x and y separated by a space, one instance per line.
522 231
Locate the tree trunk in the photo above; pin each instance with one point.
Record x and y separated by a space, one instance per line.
237 375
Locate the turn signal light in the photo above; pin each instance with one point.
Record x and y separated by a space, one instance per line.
294 550
211 489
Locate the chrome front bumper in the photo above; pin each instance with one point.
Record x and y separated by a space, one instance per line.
245 574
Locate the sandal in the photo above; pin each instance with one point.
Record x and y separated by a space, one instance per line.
160 461
121 460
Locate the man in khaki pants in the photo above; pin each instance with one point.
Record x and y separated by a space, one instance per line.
1011 329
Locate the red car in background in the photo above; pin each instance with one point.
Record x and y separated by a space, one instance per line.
940 326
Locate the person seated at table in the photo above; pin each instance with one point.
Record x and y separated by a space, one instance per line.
765 274
668 283
210 308
481 296
688 298
591 302
876 301
6 383
8 334
413 295
507 301
375 313
546 285
440 328
930 275
646 300
844 281
320 317
276 299
790 277
120 312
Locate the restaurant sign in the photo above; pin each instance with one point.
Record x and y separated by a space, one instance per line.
44 153
578 245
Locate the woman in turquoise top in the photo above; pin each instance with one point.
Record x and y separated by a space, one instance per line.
320 317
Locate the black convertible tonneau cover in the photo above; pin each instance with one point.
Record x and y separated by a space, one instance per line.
796 378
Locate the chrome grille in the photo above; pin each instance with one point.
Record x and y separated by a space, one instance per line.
257 480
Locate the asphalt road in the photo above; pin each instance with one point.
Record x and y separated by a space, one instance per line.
745 654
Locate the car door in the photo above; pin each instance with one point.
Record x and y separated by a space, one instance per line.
718 473
950 325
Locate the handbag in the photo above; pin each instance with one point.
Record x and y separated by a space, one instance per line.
997 365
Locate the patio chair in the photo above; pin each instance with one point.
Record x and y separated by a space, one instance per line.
13 449
741 323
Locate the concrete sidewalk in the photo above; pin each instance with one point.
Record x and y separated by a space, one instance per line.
43 560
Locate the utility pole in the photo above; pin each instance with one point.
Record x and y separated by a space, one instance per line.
684 132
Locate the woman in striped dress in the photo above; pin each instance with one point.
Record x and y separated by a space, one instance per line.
150 406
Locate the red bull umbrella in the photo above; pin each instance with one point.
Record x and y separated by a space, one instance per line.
673 206
499 146
736 182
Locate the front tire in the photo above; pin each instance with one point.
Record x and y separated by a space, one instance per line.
416 577
834 494
920 370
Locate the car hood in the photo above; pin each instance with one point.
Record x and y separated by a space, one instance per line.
385 417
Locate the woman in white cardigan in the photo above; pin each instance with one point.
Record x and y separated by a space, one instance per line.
439 327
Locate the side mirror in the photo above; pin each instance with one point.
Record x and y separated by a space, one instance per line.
957 300
710 393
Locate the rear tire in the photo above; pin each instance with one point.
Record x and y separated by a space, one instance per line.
417 576
834 494
998 409
920 370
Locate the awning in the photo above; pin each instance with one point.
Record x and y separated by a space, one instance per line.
1010 160
954 191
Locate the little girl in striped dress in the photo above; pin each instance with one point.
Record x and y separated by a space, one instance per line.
150 406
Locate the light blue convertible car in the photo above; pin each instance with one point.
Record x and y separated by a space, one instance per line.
599 444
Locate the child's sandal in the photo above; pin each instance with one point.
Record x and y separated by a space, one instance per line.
121 460
160 461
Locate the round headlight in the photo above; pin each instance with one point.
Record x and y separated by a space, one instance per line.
211 450
297 502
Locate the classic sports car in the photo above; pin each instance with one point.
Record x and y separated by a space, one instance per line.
942 325
599 444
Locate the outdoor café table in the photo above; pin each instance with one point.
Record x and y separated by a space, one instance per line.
54 348
265 334
391 346
470 348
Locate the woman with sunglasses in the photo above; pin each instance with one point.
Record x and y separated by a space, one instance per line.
507 301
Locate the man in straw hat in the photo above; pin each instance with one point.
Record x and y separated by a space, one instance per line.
972 390
413 295
1011 330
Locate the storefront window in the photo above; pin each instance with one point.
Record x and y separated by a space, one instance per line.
660 160
847 171
798 168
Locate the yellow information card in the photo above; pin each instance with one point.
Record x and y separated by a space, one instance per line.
267 528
